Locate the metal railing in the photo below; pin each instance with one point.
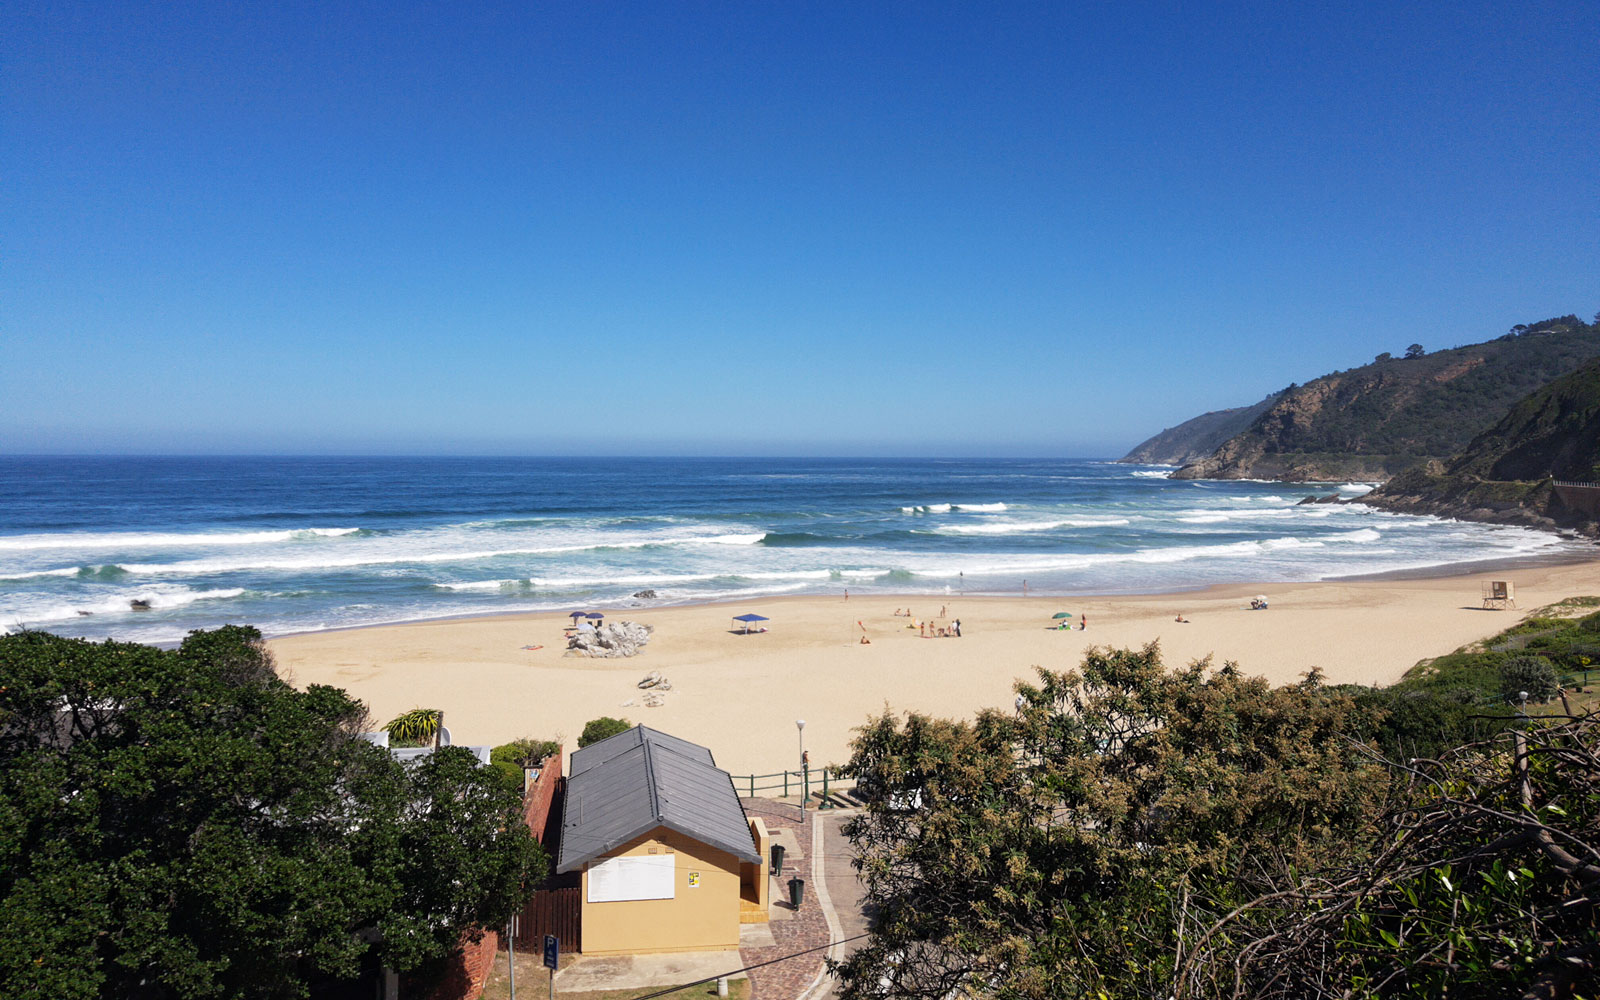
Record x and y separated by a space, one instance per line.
1581 486
1582 678
825 780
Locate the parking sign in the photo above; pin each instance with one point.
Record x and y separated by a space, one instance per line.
550 951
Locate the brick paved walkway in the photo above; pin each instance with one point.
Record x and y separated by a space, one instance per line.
806 929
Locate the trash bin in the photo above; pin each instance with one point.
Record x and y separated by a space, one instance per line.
777 859
797 892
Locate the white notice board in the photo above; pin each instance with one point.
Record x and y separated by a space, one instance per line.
648 876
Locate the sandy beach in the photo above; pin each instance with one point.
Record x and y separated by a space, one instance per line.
741 694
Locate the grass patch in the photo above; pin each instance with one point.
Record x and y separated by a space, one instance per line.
1572 607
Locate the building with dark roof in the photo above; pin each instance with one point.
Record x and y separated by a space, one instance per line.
668 859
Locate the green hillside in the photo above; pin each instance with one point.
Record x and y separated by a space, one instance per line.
1196 438
1505 473
1373 421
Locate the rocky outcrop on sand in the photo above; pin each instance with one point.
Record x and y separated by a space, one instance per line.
613 641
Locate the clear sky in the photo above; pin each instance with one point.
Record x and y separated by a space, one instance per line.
763 228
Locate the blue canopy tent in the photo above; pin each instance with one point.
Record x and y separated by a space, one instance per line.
748 619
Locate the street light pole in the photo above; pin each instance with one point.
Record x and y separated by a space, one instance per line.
800 729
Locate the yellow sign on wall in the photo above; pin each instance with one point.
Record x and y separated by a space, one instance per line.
694 880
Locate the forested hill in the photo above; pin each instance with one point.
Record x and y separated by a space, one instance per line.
1373 421
1504 474
1194 439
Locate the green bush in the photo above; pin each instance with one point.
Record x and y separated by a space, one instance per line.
1472 675
602 728
1406 724
508 759
1533 674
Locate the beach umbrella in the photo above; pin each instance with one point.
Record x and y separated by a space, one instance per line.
576 614
747 619
1061 614
594 614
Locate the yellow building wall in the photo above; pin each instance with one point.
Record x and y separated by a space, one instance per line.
705 918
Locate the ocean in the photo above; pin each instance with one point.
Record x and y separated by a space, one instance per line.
297 544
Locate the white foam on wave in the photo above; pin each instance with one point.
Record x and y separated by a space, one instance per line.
145 539
1151 474
945 508
1361 535
739 539
393 555
482 585
1218 516
1358 487
64 571
161 597
1024 527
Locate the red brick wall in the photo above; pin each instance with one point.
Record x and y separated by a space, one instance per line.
539 797
469 969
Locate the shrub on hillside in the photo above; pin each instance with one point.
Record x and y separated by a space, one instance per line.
1532 674
602 728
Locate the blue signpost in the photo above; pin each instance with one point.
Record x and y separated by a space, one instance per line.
552 958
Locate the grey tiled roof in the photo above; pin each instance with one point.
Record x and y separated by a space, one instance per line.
635 781
598 753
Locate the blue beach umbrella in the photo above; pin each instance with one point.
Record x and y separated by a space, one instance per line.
748 619
594 614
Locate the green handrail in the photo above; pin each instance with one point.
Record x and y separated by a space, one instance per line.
787 781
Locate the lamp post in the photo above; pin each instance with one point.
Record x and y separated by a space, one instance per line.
800 729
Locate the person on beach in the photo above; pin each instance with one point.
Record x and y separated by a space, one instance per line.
958 628
924 630
1180 618
1083 623
941 610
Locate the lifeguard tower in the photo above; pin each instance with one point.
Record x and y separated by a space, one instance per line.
1499 594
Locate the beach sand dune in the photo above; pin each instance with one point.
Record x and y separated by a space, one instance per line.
741 694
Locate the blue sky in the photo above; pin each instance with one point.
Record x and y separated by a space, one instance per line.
913 229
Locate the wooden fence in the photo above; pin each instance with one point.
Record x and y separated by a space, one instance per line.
554 910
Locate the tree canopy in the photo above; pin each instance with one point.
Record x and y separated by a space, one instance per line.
1134 832
602 728
182 823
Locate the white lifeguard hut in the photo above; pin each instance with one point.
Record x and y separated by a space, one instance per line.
1499 594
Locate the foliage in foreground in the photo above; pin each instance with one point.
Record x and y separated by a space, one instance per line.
1130 832
181 823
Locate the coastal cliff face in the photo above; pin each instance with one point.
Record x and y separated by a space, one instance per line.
1371 422
1506 474
1195 439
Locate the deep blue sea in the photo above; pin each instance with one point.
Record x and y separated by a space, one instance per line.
293 544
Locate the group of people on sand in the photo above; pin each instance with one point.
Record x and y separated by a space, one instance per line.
932 630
